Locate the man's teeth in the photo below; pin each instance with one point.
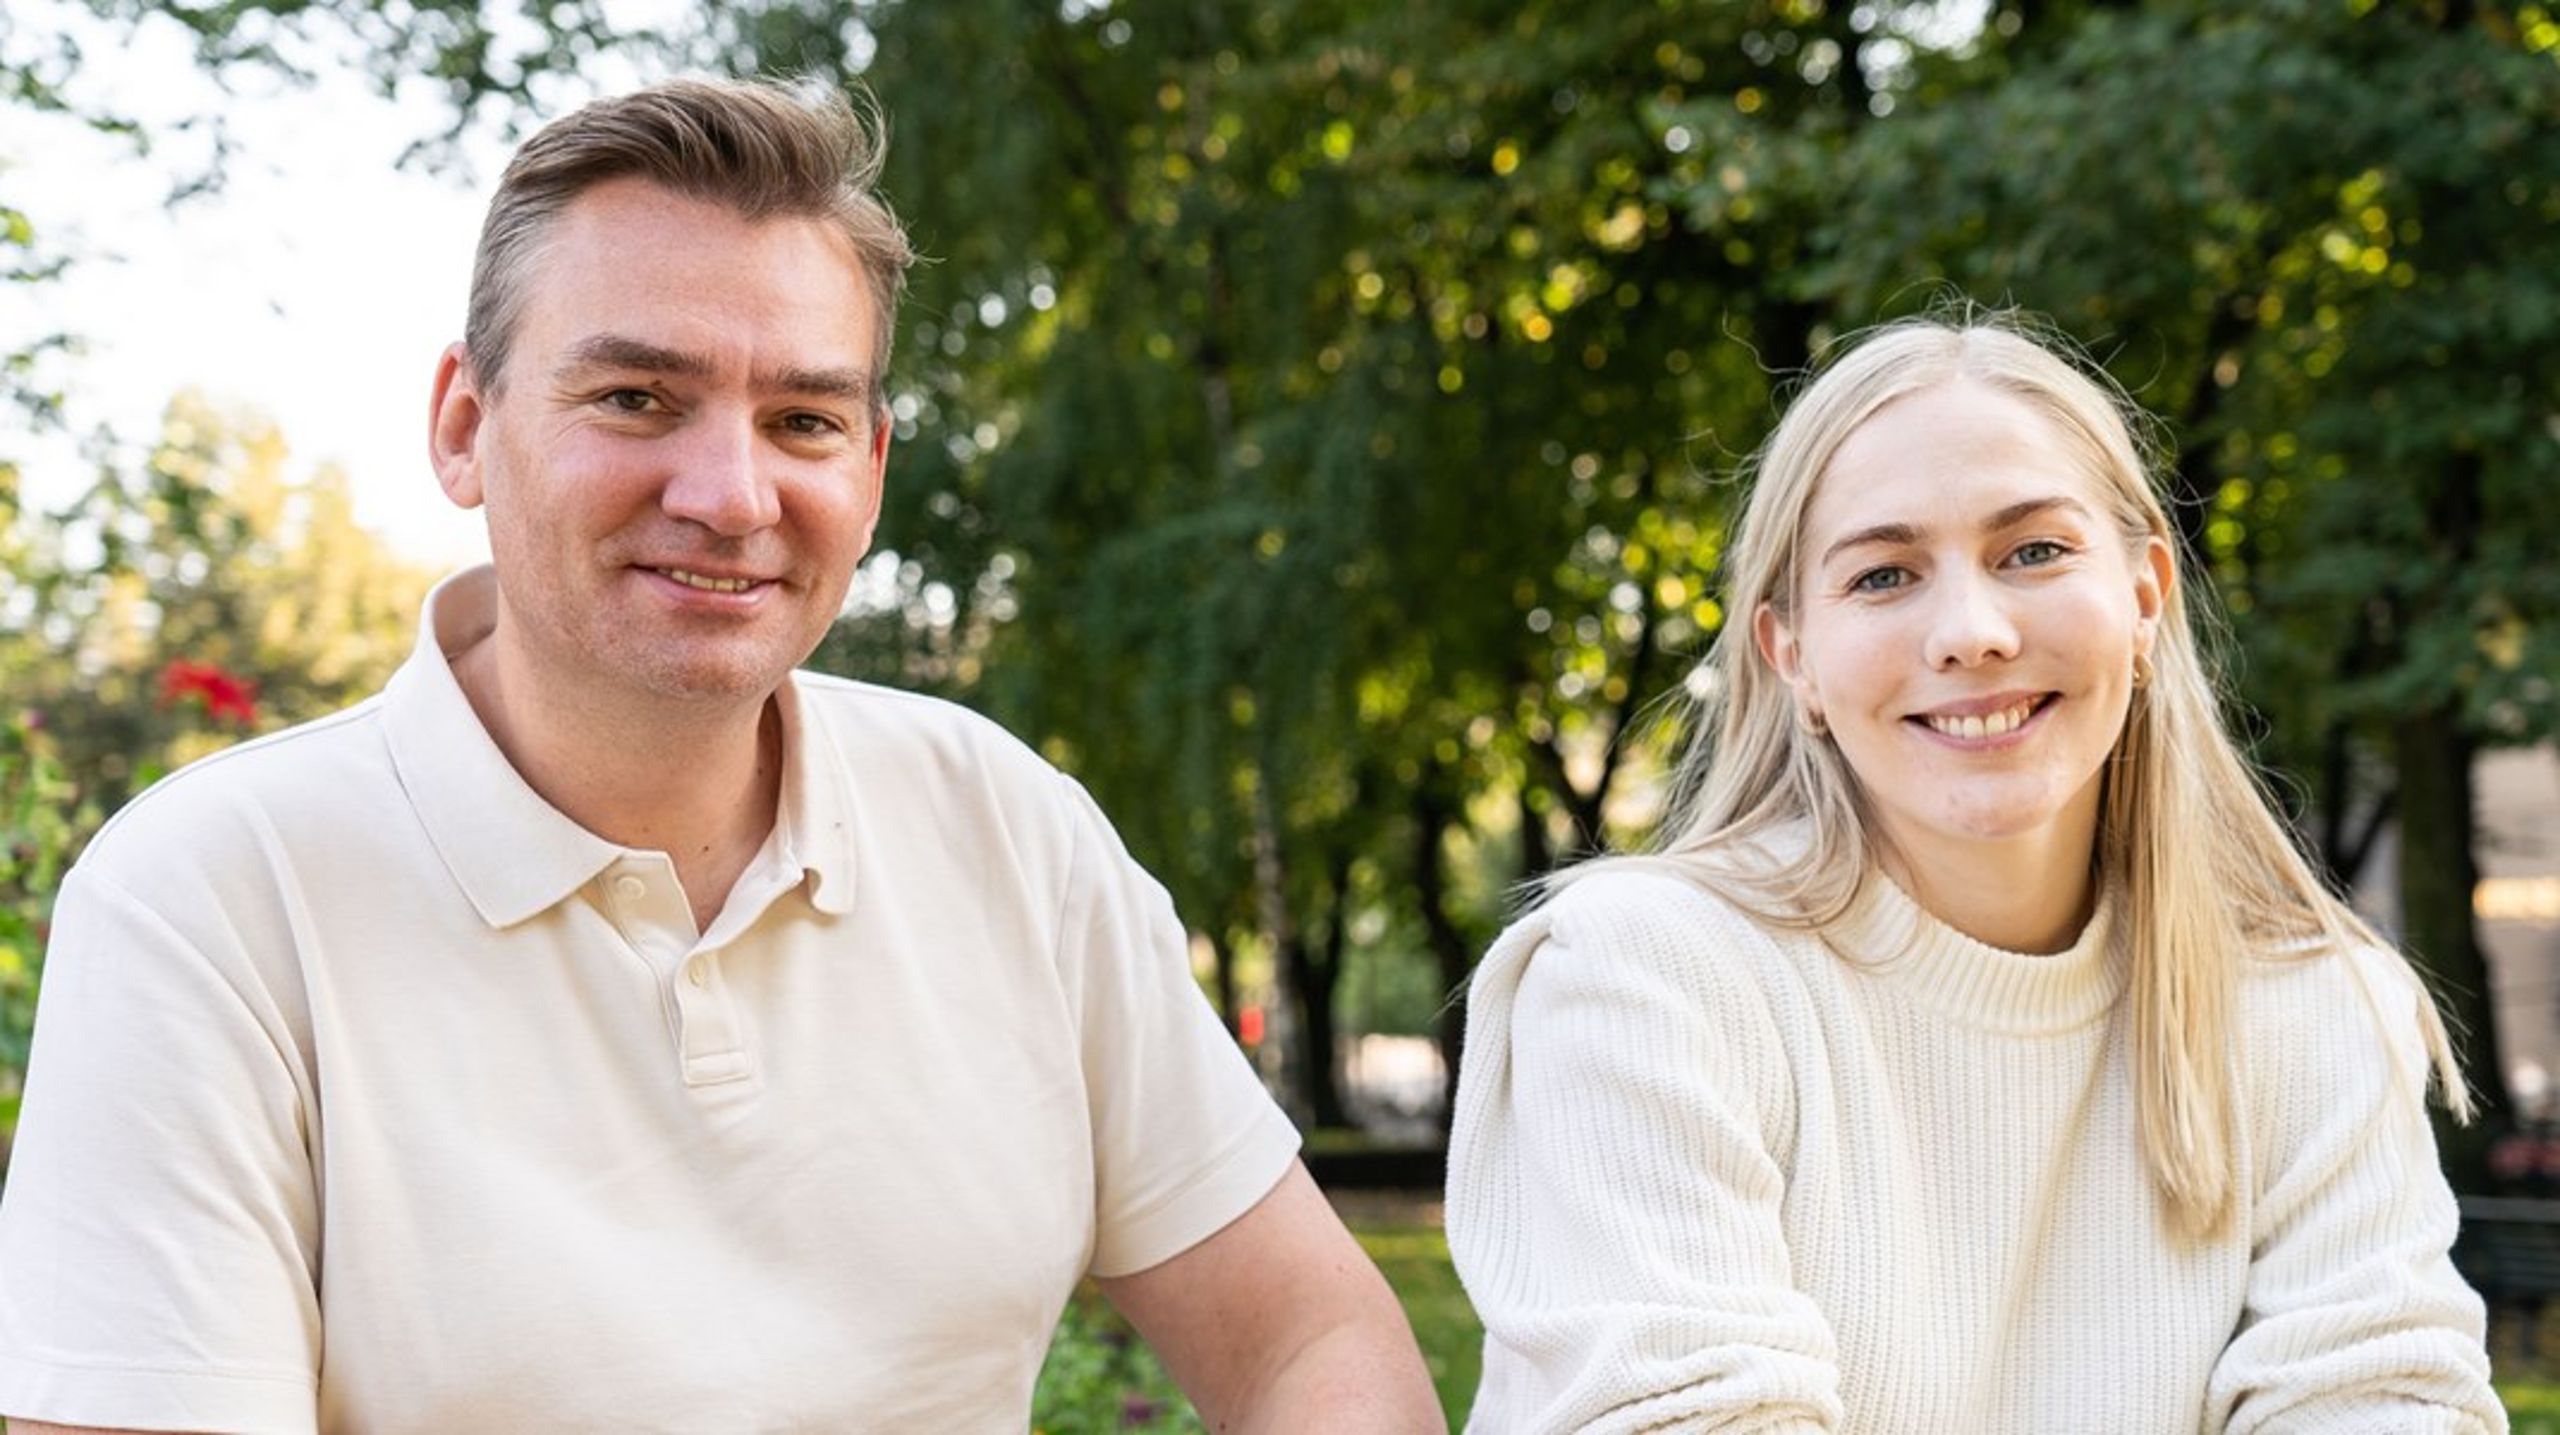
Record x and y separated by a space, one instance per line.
1970 728
709 585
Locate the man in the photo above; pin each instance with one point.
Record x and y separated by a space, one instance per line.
606 1027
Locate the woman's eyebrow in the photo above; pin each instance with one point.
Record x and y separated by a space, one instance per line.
1879 533
2017 513
2007 517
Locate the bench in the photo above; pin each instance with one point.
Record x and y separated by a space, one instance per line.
2509 1249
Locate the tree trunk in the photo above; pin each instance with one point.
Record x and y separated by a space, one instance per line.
1450 949
1279 928
1537 857
2437 874
1315 968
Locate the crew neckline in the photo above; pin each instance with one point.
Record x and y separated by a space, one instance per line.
1891 938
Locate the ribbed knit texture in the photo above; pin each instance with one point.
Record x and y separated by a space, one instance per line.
1707 1175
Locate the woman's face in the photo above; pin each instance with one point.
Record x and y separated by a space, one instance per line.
1966 619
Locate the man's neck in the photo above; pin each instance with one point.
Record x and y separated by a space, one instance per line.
699 783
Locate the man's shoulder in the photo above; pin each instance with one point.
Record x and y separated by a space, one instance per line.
252 791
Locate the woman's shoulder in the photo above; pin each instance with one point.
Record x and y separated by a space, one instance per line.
2283 981
2316 1014
1647 899
1663 923
1641 954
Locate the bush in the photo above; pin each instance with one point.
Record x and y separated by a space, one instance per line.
41 825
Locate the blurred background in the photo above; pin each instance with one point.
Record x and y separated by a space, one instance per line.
1317 424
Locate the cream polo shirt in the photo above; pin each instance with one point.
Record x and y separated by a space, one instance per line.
370 1093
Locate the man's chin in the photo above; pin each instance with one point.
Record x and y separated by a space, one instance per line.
701 680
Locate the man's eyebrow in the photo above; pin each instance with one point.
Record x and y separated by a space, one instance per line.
842 383
616 351
2009 517
613 351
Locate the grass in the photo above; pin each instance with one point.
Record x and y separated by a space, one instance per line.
2529 1390
1099 1377
1415 1258
2533 1406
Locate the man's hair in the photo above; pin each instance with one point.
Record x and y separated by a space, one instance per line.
766 149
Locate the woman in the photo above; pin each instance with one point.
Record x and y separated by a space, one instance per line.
1974 1052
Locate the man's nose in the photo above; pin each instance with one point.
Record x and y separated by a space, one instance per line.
720 477
1971 623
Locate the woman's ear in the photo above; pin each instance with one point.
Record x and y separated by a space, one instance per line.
1777 644
2155 580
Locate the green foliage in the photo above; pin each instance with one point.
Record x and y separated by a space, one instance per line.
1100 1377
42 824
2533 1406
210 553
1311 427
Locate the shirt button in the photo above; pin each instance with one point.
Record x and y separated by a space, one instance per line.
698 971
630 889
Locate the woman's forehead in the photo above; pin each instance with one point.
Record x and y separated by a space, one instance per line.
1958 450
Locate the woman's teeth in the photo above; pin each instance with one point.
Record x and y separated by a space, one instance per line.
1970 728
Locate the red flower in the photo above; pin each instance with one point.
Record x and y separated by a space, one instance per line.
226 696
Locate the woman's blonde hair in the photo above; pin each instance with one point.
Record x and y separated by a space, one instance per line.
2188 838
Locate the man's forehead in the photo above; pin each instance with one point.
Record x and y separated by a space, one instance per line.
631 265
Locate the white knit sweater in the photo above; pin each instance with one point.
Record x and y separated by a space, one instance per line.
1707 1175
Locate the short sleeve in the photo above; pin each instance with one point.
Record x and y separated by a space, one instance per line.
2355 1319
160 1229
1614 1188
1185 1138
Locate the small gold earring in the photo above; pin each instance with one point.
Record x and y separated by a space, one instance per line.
2142 670
1809 721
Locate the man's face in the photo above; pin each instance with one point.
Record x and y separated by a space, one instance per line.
683 463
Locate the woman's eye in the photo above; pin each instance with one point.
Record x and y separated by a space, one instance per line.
1879 580
2039 552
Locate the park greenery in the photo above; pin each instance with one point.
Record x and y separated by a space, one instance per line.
1316 422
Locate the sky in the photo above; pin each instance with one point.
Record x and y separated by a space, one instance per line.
318 286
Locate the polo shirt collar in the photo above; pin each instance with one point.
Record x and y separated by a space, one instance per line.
813 824
514 854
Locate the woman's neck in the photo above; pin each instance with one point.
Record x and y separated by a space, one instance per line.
2026 895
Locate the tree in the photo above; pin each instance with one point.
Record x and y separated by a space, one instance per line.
211 554
1311 423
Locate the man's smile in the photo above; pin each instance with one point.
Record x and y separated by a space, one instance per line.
708 583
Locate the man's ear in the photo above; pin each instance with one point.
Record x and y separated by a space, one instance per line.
453 428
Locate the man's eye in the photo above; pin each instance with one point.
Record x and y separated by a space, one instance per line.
811 425
1880 580
631 401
